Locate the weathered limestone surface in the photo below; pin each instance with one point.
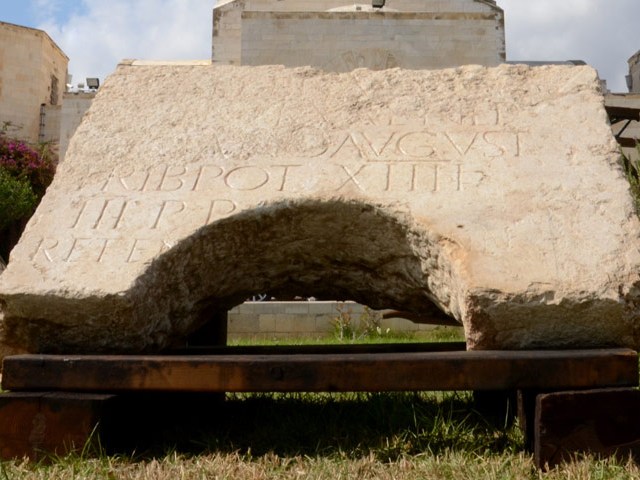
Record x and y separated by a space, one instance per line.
495 194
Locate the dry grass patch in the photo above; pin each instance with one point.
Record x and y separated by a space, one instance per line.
449 465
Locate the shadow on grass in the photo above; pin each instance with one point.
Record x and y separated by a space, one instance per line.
350 425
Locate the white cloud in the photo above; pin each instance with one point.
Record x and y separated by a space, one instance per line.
604 33
97 35
100 34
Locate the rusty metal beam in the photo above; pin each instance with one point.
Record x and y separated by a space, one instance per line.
618 114
627 142
405 371
322 349
602 423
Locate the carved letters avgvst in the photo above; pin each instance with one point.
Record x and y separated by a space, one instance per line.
423 145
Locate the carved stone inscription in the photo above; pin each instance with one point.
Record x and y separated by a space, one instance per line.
204 179
378 162
424 145
409 154
381 161
96 249
402 161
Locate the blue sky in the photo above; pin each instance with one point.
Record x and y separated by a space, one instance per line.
33 13
96 35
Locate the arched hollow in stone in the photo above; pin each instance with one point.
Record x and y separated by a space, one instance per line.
338 250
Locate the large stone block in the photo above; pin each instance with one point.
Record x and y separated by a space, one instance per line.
496 195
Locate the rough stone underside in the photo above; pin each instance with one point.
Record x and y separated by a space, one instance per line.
495 195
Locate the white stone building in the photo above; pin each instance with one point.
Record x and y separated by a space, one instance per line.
33 74
335 35
74 106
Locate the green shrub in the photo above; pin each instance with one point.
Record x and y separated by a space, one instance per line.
17 198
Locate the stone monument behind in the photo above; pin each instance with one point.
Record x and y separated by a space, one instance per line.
339 36
493 195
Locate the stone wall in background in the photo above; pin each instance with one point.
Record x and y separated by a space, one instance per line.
337 36
311 319
73 109
33 72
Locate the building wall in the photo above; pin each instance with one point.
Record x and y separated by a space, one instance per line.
338 36
634 73
51 118
315 319
74 107
33 72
